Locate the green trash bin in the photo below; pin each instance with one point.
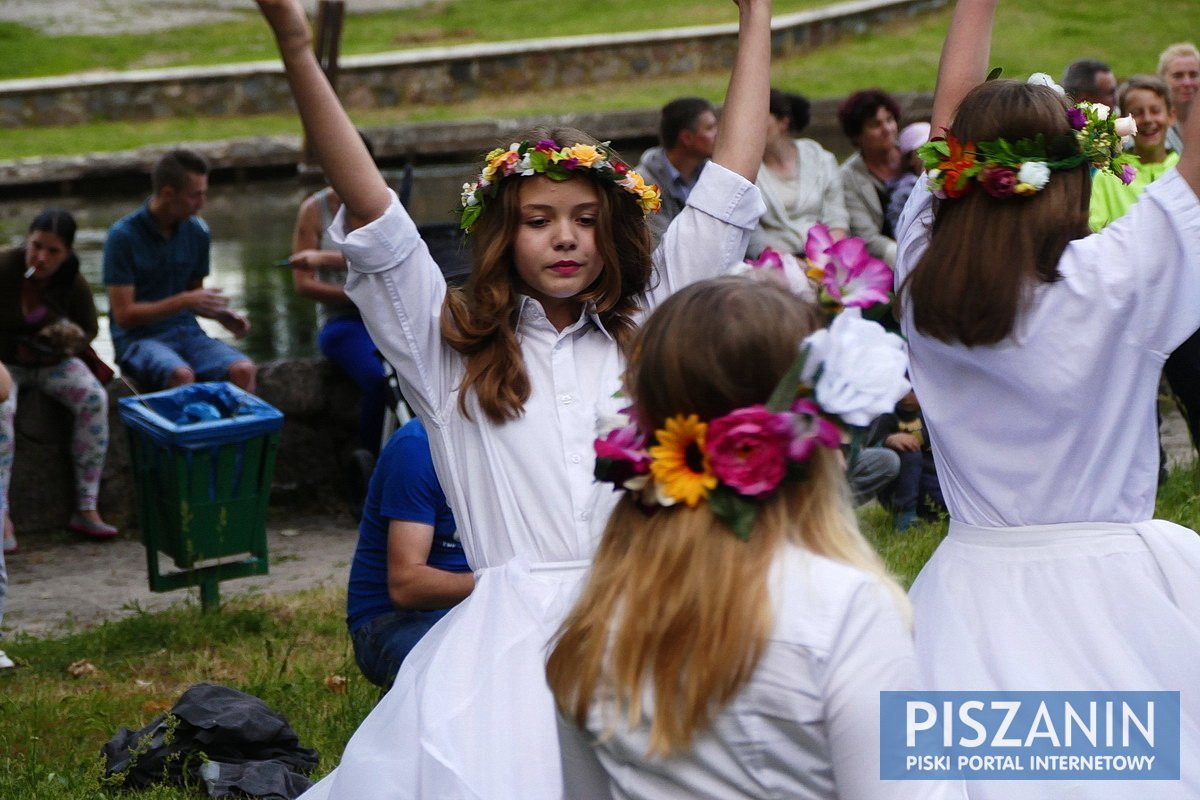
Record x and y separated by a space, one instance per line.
203 456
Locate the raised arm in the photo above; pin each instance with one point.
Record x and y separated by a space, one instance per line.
1189 162
964 61
743 131
344 158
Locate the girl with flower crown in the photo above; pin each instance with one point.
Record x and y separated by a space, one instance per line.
715 654
1036 349
510 375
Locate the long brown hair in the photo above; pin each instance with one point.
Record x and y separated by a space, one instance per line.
480 318
675 603
986 254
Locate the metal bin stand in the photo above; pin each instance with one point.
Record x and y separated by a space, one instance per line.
202 487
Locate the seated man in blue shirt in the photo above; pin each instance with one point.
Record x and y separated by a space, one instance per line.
408 569
155 263
687 132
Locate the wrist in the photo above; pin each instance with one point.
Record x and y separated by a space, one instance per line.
295 46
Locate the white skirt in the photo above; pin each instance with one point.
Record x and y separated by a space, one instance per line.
470 716
1074 607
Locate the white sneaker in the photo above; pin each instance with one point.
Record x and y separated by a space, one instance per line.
5 661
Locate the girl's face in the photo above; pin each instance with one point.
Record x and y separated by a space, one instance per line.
1152 116
555 247
879 132
1183 77
45 252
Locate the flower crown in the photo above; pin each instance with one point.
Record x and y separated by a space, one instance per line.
1023 167
545 157
845 375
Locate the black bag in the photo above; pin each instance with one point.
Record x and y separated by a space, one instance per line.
230 741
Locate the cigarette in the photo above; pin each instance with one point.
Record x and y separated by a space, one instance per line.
29 272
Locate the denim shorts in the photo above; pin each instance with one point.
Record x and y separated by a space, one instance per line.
151 361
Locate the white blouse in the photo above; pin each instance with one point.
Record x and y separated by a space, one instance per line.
526 487
796 203
806 724
1057 423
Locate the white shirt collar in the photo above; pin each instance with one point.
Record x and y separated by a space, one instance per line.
530 311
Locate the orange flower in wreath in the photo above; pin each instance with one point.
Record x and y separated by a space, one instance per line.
958 167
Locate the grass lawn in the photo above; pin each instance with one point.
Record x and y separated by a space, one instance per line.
286 650
441 23
1031 35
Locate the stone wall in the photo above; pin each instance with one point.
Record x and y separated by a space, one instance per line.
435 75
320 407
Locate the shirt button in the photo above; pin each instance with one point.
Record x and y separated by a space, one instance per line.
566 399
575 459
583 515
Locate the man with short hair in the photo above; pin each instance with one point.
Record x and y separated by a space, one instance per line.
155 262
1091 81
687 131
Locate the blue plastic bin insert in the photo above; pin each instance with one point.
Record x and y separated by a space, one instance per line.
159 415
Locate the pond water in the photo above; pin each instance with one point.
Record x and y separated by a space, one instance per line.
251 225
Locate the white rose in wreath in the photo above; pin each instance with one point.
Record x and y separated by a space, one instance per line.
861 368
1042 79
1035 173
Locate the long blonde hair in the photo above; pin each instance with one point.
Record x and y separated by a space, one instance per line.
675 603
480 318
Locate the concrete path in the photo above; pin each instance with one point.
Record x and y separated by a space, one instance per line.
60 582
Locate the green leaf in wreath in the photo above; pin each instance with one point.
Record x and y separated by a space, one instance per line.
784 394
734 510
468 216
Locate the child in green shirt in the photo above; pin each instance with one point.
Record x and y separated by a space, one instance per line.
1147 99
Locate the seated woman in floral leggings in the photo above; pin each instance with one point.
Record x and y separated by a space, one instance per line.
47 317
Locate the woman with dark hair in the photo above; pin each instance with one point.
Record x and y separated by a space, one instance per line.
871 120
1036 350
47 319
798 179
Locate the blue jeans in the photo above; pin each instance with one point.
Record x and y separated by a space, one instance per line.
916 488
345 342
381 645
151 361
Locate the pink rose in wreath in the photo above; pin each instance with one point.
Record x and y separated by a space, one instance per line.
747 449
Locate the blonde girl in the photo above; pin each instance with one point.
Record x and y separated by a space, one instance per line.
698 664
510 376
1035 349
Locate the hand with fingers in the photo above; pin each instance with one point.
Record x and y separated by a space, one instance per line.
207 302
234 322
